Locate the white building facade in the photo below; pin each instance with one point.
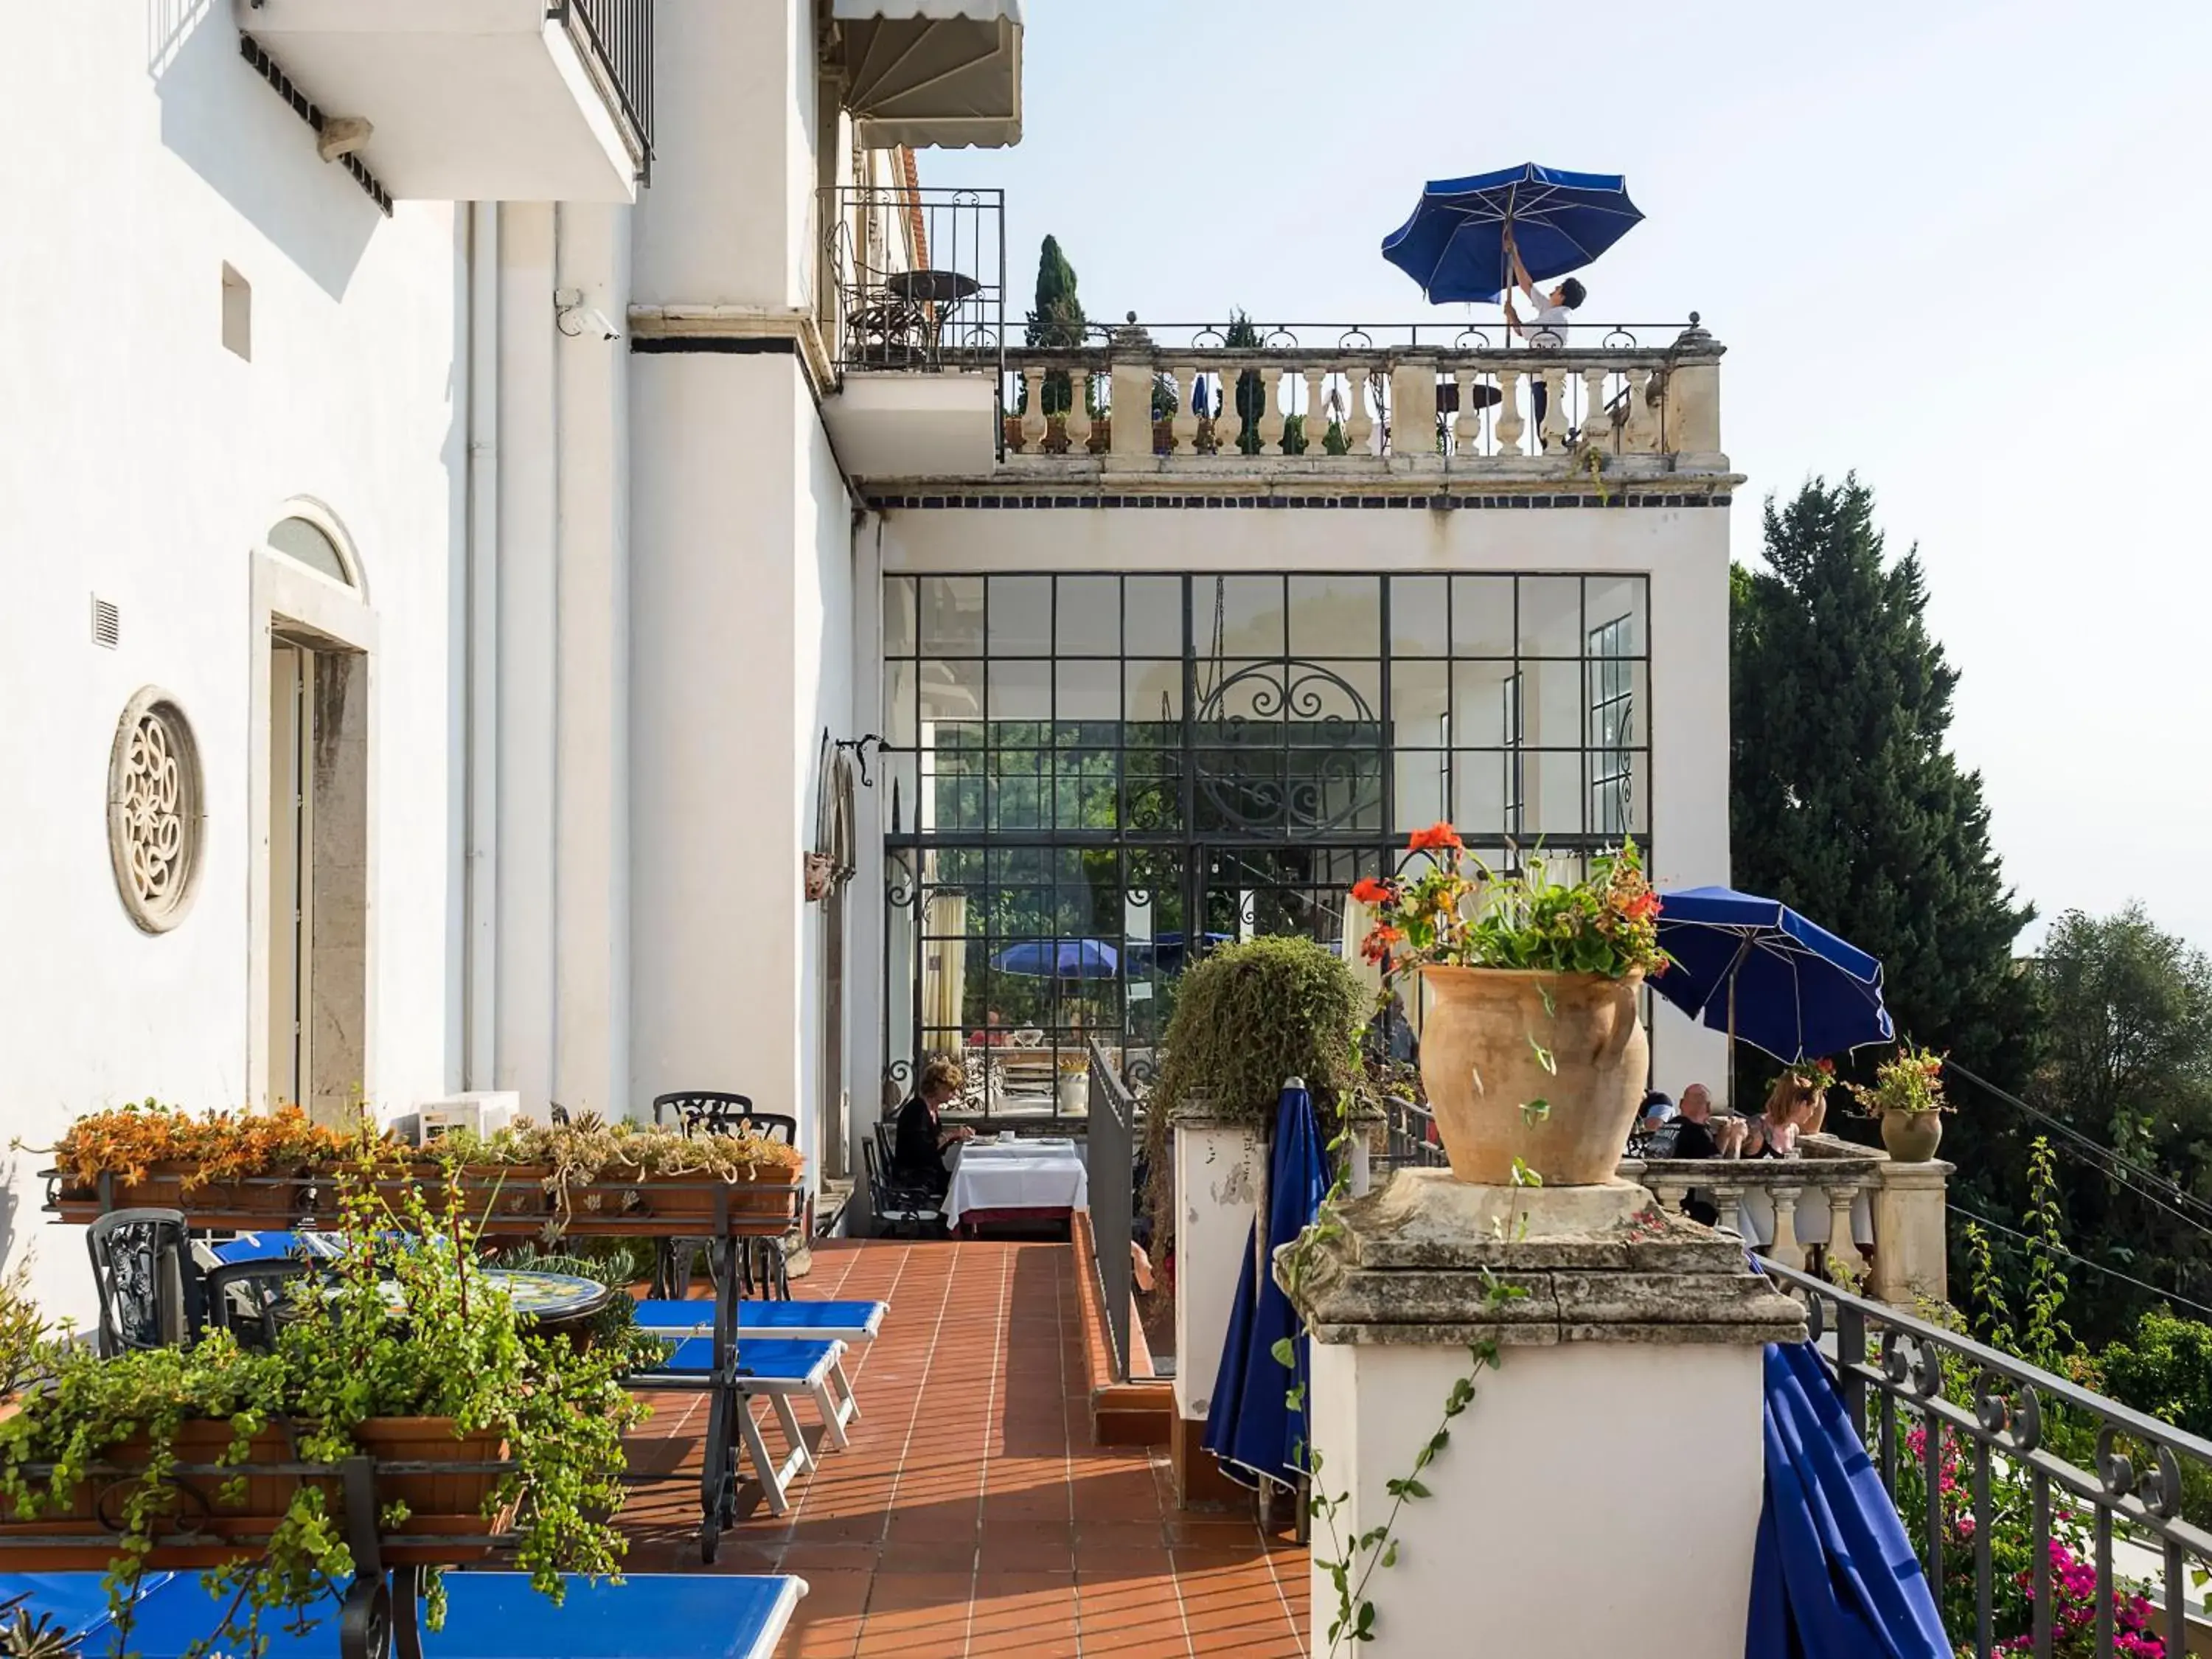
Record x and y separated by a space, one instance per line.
444 572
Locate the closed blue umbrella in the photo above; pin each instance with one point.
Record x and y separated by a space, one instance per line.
1066 958
1249 1427
1755 968
1454 244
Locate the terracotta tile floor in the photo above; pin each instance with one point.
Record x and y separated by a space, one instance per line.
971 1515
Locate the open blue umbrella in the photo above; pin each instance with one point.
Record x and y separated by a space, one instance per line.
1249 1427
1755 968
1454 246
1066 958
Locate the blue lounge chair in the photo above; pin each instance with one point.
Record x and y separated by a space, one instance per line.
489 1615
849 1322
778 1371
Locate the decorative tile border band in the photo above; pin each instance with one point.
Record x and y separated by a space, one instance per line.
1441 504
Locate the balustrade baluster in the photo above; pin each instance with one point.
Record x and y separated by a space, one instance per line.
1359 423
1668 1194
1553 437
1467 431
1274 396
1785 1249
1034 425
1843 1248
1509 424
1641 435
1597 419
1079 411
1315 425
1184 426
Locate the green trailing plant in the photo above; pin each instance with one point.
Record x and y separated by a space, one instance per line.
1247 1016
343 1355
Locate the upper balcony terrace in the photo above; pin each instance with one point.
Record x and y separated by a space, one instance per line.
931 385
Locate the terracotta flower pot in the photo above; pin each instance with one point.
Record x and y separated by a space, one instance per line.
1482 1067
446 1504
173 1185
1911 1137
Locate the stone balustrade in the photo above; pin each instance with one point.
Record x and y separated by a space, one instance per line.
1838 1205
1213 405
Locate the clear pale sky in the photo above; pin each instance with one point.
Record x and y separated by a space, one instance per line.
1961 247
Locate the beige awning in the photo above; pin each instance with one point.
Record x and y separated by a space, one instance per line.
923 73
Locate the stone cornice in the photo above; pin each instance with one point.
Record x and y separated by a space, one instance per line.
719 322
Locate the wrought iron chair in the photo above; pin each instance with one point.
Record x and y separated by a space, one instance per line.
151 1294
247 1298
898 1204
763 1264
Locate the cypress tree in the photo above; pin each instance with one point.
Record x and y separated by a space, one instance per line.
1057 320
1844 802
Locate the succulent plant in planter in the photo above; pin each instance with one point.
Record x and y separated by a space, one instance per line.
406 1354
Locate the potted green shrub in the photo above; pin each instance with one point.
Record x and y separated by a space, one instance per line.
530 1429
1533 1053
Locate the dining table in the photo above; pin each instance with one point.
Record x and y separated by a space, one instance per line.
1006 1179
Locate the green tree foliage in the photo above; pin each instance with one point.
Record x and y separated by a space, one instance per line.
1844 801
2165 1371
2127 1060
1056 320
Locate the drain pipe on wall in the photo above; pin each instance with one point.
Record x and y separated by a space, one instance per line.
480 945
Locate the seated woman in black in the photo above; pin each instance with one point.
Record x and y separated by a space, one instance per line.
918 1152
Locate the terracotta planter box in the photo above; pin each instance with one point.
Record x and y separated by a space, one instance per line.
488 1191
171 1186
618 1207
238 1524
1482 1069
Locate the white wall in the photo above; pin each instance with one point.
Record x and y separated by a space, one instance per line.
741 605
142 462
1683 551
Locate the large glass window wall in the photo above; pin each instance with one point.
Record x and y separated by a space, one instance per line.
1090 779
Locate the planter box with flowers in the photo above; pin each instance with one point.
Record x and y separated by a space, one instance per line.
1533 1055
126 1464
588 1176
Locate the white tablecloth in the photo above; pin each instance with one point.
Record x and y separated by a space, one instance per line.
1029 1175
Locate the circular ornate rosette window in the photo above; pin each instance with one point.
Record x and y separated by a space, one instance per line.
155 811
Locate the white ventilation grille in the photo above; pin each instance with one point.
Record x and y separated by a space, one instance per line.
107 623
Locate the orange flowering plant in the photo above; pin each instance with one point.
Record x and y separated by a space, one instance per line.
1819 1075
1459 913
1911 1081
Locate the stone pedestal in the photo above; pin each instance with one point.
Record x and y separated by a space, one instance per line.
1217 1191
1600 1495
1910 1259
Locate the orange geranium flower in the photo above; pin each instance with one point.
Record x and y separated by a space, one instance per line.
1369 891
1438 837
1377 946
1644 905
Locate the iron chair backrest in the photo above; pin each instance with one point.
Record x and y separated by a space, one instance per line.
720 1114
150 1287
247 1298
893 1202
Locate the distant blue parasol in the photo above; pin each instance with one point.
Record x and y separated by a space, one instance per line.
1754 968
1454 246
1066 958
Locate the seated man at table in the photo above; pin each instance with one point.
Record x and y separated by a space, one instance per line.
918 1154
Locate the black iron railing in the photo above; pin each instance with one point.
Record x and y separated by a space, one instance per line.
1409 1140
616 36
1110 1162
916 277
1990 1459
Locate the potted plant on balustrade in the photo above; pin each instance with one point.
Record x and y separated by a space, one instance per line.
1533 1052
404 1356
1908 1096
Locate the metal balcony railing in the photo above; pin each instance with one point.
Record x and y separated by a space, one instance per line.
1990 1460
916 277
615 38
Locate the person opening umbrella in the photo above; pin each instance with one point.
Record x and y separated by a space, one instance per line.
1473 238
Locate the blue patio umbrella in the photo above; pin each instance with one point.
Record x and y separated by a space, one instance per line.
1066 958
1454 246
1755 968
1165 951
1249 1427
